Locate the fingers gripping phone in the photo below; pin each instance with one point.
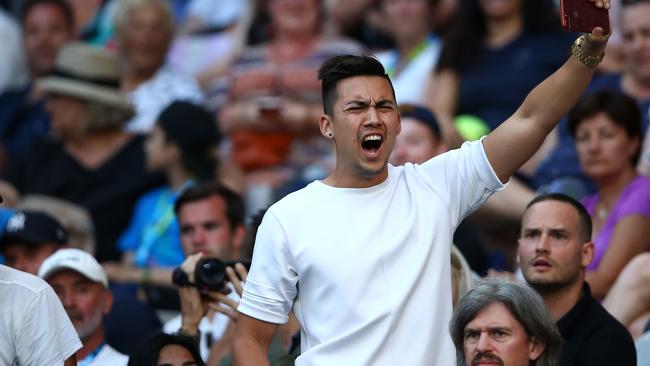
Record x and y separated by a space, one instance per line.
583 16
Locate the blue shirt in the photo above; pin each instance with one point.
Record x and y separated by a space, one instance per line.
493 87
21 120
153 233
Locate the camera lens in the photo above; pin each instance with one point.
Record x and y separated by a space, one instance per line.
210 274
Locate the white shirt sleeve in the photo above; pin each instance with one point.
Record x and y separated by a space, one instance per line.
465 175
270 287
46 336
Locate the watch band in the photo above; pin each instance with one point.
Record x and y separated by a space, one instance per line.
589 61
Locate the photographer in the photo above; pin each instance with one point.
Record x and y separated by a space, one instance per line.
199 304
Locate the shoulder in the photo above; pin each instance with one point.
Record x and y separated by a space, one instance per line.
606 328
636 197
22 283
298 200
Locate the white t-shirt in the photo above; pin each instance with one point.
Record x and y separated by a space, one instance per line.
211 329
108 356
367 270
154 95
34 328
409 84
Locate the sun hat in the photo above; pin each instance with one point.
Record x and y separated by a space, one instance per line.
88 73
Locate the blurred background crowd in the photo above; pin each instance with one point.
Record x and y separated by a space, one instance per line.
112 109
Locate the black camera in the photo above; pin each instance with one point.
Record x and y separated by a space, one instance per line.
209 274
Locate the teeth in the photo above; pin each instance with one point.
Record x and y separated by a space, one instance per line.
372 138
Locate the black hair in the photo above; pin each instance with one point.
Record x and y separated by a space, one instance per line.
235 210
194 131
61 4
249 240
620 108
466 36
147 353
584 219
346 66
423 115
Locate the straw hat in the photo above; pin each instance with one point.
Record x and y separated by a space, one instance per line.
87 73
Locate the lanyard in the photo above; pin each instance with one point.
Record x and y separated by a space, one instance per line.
91 356
151 234
412 55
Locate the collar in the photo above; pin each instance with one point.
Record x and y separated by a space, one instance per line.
570 322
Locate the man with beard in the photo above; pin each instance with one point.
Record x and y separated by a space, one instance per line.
554 250
504 323
82 286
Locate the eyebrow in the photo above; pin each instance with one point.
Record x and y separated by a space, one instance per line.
364 102
489 329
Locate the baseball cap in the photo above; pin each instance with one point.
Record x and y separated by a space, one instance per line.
76 260
34 228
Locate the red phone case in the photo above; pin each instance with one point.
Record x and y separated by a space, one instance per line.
583 16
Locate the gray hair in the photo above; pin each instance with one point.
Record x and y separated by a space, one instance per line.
124 7
524 304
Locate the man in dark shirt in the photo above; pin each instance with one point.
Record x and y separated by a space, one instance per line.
554 250
47 25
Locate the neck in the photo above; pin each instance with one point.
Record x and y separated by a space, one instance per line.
503 30
610 188
637 88
406 45
342 179
91 342
561 301
177 175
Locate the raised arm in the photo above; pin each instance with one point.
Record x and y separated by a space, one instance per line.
516 140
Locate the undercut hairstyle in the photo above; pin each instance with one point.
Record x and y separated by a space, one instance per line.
620 108
525 305
147 353
584 219
63 6
235 210
342 67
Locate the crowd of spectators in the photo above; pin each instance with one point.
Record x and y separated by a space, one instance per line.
135 134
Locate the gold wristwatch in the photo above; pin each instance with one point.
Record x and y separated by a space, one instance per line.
589 61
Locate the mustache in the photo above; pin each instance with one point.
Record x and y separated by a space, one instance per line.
486 356
536 258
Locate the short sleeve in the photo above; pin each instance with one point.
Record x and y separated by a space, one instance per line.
271 285
47 336
131 238
463 175
637 202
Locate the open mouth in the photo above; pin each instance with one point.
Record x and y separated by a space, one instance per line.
371 145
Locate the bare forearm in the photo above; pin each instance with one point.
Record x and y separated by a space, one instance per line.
247 351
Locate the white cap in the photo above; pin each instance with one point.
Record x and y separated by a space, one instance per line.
76 260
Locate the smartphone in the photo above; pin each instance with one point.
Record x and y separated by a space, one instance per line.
583 16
